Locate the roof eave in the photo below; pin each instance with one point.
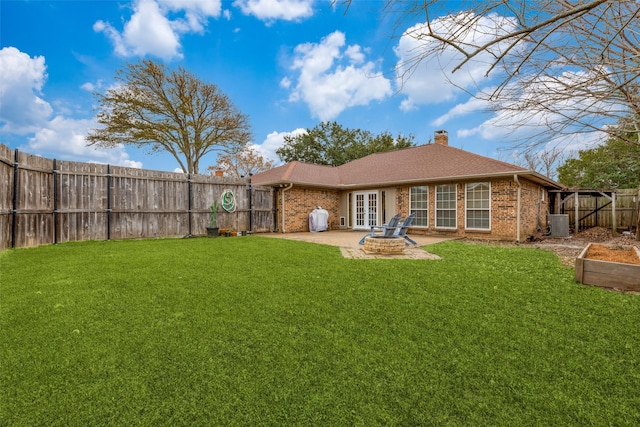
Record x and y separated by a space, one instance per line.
531 175
541 179
527 173
286 183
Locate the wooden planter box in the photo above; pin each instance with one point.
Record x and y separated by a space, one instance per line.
625 277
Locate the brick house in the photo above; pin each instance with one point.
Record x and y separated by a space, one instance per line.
452 192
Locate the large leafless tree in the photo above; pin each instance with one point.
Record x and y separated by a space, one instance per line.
564 66
245 162
545 162
171 111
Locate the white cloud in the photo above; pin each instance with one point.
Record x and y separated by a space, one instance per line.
64 138
269 10
354 52
472 105
529 111
521 129
332 77
197 12
151 32
285 83
22 109
23 112
88 86
430 81
274 141
148 32
119 45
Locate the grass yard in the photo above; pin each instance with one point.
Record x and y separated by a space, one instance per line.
260 331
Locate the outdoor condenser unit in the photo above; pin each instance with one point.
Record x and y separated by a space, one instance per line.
559 225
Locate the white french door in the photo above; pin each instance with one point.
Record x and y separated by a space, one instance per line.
365 209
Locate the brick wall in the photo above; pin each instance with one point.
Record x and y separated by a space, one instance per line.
299 202
402 200
504 202
534 209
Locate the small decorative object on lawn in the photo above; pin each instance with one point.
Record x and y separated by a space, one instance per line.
212 230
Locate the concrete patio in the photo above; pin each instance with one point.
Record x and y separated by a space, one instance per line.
347 241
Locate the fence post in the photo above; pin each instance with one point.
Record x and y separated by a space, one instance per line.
576 210
250 191
14 211
108 202
614 225
189 203
55 201
638 217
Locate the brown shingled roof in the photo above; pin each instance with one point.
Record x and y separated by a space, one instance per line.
299 173
430 162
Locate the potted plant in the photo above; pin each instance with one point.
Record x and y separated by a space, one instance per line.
212 230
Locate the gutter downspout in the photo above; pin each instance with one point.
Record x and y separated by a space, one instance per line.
515 178
282 196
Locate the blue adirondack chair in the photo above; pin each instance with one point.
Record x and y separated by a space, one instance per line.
387 229
401 230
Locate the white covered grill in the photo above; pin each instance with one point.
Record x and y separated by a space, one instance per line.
318 220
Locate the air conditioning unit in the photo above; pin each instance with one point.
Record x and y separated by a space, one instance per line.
559 225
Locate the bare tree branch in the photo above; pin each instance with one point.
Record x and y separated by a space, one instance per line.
573 66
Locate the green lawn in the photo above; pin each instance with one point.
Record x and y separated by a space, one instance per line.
259 331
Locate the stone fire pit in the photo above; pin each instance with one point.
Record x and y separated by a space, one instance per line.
384 245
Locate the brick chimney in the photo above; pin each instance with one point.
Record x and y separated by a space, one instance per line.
441 137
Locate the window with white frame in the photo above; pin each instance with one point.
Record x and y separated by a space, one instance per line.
446 206
419 205
478 205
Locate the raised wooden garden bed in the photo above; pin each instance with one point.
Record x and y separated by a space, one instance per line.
615 268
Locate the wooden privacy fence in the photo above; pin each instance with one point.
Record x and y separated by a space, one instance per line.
598 211
46 201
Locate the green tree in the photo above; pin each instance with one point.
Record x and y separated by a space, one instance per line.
168 111
331 144
615 164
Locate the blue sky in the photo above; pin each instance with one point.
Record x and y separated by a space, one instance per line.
287 64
